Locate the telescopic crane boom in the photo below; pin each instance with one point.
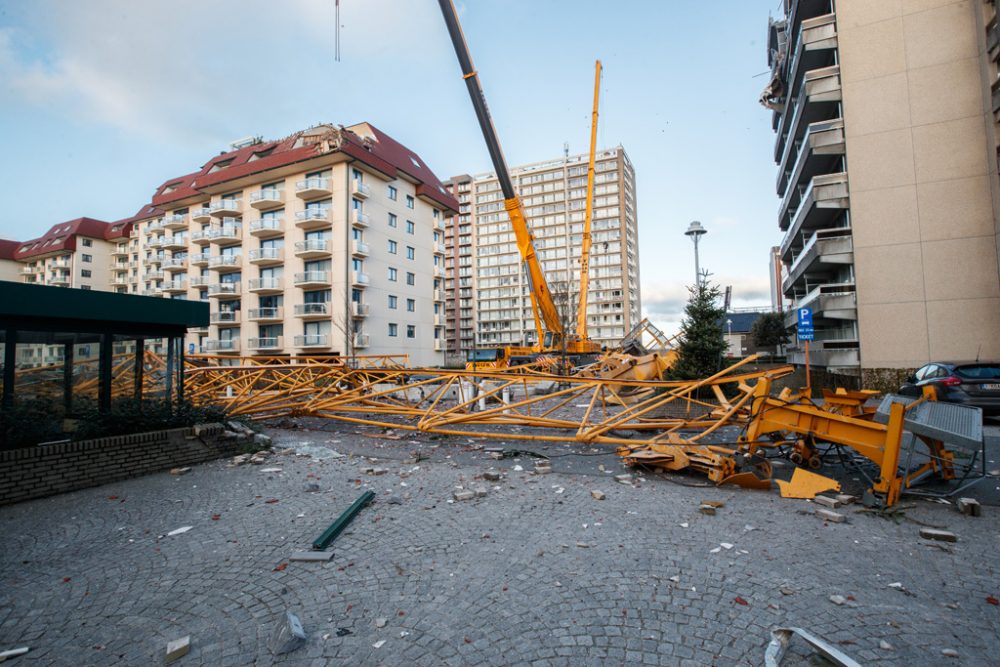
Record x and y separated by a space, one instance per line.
542 305
581 314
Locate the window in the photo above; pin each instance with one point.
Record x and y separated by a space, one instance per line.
392 302
87 243
357 175
393 193
87 258
410 278
409 201
411 331
392 219
84 286
393 328
392 274
409 252
85 273
392 247
409 226
411 305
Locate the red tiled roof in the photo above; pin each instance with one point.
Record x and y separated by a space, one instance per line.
8 248
62 237
384 154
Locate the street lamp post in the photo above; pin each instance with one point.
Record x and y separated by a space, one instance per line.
695 231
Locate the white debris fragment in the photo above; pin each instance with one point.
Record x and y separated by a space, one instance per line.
179 531
378 644
685 524
726 545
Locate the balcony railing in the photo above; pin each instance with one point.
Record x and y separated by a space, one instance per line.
264 285
360 190
271 343
312 247
222 345
313 340
175 286
358 218
259 314
313 217
360 309
360 278
176 221
312 277
225 207
359 247
224 317
361 340
311 310
267 198
228 232
266 227
313 187
266 255
199 259
154 226
223 261
224 289
201 214
175 263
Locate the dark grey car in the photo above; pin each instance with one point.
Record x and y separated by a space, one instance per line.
975 383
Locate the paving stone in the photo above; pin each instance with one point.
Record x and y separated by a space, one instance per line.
177 649
939 535
831 516
311 556
463 495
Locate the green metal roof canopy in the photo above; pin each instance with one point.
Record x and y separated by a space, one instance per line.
25 306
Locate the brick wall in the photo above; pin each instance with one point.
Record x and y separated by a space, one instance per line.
45 470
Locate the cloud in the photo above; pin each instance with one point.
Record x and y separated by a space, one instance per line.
664 304
191 71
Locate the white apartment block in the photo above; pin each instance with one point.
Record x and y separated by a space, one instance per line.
330 241
486 293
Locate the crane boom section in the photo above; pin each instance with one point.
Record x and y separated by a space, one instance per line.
581 314
541 298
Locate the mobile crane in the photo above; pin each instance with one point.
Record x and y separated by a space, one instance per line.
552 337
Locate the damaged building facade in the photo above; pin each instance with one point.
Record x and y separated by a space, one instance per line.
886 137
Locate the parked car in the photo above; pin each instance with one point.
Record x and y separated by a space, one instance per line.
975 383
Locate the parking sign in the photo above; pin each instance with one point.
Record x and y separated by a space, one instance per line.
805 329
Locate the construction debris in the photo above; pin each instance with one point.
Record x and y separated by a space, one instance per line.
831 516
807 485
707 509
970 507
177 649
288 635
179 471
311 556
781 637
597 495
338 526
826 501
463 495
13 653
938 535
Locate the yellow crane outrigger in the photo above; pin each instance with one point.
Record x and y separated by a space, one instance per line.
552 339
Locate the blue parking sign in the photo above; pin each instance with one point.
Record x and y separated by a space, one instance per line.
805 328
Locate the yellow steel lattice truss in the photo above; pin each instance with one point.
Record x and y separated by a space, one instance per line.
668 425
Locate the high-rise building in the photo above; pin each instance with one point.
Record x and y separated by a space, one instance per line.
486 292
885 116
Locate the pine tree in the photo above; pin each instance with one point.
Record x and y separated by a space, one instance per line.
702 345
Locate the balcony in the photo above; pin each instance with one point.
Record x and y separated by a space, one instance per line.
438 224
175 286
153 291
267 199
312 249
176 221
153 275
361 341
175 242
27 271
313 218
359 279
359 248
226 233
272 314
224 290
823 253
438 320
821 148
312 311
359 309
201 214
313 340
271 343
226 208
175 264
120 251
265 285
831 301
313 188
438 295
225 317
199 259
438 271
267 228
156 242
201 237
119 280
359 219
199 281
359 190
438 248
438 344
312 279
223 263
155 226
222 345
267 256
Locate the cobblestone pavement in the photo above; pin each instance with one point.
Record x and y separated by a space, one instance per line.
537 572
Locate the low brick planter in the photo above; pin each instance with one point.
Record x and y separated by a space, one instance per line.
45 470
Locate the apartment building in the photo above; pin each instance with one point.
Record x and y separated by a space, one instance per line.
885 118
329 241
74 254
10 268
487 302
